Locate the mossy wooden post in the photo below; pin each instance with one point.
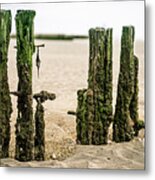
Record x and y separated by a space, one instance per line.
134 100
85 114
5 99
25 50
39 143
94 112
80 119
100 81
89 114
122 126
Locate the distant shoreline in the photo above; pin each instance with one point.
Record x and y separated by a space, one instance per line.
57 36
65 37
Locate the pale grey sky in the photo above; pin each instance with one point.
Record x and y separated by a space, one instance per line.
77 18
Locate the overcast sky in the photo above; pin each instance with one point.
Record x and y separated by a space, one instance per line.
77 18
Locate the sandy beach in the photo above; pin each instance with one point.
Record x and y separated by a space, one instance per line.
64 70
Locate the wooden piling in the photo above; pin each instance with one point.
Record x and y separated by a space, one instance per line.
39 143
25 49
134 100
122 125
81 128
5 99
97 114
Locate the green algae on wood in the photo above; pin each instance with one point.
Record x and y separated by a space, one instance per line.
94 111
138 126
134 100
5 99
122 125
25 49
80 118
39 142
84 116
101 82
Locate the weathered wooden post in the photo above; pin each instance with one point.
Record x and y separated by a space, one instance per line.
94 111
5 99
122 126
90 114
85 116
138 124
134 100
25 50
100 80
39 144
80 117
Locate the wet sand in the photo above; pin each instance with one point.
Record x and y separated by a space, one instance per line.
64 70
